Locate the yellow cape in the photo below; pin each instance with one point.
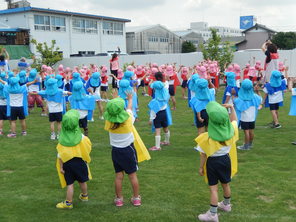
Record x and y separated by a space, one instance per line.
210 146
81 150
128 127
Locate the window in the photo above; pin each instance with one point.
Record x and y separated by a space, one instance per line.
91 26
153 39
163 39
90 52
112 28
78 25
42 22
58 24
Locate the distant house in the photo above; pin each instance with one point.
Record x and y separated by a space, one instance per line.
191 36
255 37
152 38
75 33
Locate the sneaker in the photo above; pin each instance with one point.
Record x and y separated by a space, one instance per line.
24 133
146 94
222 206
57 136
165 143
294 143
83 197
277 126
208 216
64 205
154 148
243 147
92 120
118 202
52 136
101 118
1 133
136 201
11 135
43 114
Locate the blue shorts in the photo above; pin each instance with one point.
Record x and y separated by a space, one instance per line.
161 120
125 159
172 90
75 169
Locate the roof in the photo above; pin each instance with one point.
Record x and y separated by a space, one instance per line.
140 28
256 26
185 32
12 29
60 12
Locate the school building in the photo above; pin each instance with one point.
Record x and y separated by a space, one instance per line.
75 33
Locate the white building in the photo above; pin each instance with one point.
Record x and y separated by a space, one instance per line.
75 33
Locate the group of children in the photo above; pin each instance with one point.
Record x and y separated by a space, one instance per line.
217 125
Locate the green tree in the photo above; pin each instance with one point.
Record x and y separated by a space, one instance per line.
285 40
216 50
49 55
188 47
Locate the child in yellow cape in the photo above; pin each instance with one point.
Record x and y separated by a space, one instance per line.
218 157
73 158
127 147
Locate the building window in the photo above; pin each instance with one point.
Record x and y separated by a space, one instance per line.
153 39
42 22
163 39
58 24
90 52
91 26
112 28
78 25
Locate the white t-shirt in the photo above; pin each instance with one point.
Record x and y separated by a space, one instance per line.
122 140
54 107
82 113
222 151
16 100
277 97
2 102
153 114
249 114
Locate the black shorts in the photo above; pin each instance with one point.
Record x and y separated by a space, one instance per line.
160 120
141 84
125 159
218 169
17 113
104 88
3 112
171 90
83 123
205 117
75 169
247 125
55 117
274 106
114 81
184 83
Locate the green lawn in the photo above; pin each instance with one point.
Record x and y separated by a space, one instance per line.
263 190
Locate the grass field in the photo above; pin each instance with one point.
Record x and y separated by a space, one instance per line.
263 190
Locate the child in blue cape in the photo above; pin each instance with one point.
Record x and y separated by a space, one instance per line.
76 78
17 104
203 95
93 86
56 105
231 88
3 108
124 89
23 77
160 114
274 96
85 104
246 106
191 82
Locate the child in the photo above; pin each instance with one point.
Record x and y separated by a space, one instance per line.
73 158
231 88
203 95
104 83
3 108
127 147
160 114
218 159
184 77
85 104
124 89
17 105
173 82
273 98
246 107
56 105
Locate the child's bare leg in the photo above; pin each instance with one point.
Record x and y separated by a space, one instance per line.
200 130
214 195
70 192
135 183
23 124
100 108
247 136
59 125
274 117
52 127
251 134
1 125
226 189
83 187
13 126
174 101
118 184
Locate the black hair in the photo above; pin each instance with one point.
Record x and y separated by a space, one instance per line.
115 126
114 55
272 48
159 76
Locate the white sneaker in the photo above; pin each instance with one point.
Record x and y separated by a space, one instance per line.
52 136
57 136
101 118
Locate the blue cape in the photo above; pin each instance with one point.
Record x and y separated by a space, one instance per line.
199 105
271 90
88 103
155 105
58 98
228 89
293 104
23 90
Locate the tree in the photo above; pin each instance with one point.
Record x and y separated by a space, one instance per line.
188 47
49 55
215 50
285 40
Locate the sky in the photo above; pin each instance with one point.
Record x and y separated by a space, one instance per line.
178 14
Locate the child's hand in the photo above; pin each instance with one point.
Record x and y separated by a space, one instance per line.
150 123
129 95
227 106
114 94
201 120
62 171
201 171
